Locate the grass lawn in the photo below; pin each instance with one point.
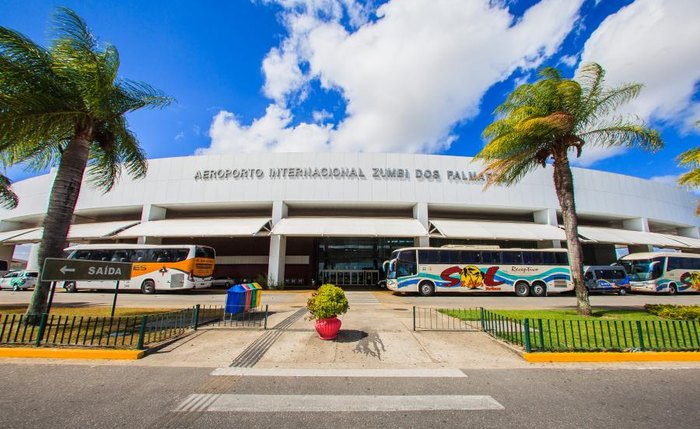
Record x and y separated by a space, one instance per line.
96 311
598 314
607 329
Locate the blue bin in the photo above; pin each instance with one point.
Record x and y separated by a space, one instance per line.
235 299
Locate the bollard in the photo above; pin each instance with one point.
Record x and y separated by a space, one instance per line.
414 317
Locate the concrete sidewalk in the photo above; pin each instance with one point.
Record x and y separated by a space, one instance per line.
373 335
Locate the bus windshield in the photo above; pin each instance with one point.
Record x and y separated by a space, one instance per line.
643 269
390 269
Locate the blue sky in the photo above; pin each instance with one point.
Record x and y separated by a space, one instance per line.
382 76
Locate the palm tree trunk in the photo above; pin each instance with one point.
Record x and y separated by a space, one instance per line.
62 201
564 187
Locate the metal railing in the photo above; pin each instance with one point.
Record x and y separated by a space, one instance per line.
594 335
548 335
433 319
132 332
216 316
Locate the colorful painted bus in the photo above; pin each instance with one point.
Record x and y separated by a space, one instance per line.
428 270
663 272
154 267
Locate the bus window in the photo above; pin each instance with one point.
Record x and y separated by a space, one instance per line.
428 257
406 264
533 258
562 258
491 258
204 252
449 257
120 256
469 257
180 254
515 258
138 255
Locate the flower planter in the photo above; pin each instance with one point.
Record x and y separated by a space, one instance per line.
328 328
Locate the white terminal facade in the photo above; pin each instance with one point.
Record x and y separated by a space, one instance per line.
301 218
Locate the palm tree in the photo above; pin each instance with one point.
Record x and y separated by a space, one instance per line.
65 105
690 159
547 122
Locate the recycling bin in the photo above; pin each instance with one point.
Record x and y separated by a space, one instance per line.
235 299
248 296
257 292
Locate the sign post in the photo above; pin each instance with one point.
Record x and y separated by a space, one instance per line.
58 270
114 301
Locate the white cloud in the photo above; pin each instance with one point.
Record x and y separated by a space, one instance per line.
569 60
272 133
321 115
654 42
592 154
179 136
407 78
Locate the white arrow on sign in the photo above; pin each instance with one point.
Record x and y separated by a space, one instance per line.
64 269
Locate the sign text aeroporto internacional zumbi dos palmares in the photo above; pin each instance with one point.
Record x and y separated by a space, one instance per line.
340 173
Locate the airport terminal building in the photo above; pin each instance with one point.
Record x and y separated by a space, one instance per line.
300 218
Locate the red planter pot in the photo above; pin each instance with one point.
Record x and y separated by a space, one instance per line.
328 328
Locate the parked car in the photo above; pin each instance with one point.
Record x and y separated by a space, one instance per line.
19 280
223 281
606 278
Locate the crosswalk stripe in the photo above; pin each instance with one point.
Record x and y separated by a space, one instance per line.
197 402
347 403
341 372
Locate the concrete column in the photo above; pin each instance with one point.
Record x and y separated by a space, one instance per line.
638 224
278 246
33 258
547 217
6 253
151 212
690 232
420 213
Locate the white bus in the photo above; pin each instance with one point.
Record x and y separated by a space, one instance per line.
465 269
154 267
669 272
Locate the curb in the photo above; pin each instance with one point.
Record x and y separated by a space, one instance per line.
42 353
613 357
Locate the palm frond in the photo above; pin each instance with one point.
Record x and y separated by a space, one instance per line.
624 134
69 27
8 199
136 95
690 159
115 146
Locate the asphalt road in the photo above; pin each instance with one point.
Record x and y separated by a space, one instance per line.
291 298
83 396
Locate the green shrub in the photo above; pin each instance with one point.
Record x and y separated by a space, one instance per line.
669 311
328 301
267 283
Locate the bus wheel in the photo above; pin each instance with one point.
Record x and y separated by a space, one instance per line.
148 287
672 289
426 289
622 291
522 289
538 289
15 288
70 287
